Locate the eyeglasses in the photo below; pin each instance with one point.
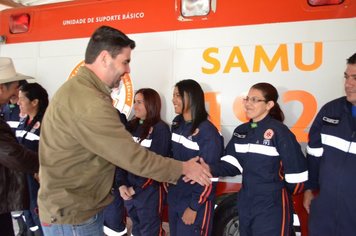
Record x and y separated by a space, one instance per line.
253 100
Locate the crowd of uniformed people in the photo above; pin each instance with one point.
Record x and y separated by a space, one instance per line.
95 168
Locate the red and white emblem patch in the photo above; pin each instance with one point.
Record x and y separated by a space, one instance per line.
268 134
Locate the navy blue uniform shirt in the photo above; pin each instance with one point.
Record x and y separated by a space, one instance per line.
267 154
205 142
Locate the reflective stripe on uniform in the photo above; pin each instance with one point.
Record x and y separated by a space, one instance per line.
34 228
185 142
338 143
110 232
13 124
317 152
145 143
353 148
29 136
233 161
256 148
296 177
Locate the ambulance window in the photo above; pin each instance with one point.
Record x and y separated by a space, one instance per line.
195 7
324 2
19 23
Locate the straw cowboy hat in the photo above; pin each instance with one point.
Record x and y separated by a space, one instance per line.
8 72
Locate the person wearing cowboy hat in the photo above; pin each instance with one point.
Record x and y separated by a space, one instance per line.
15 160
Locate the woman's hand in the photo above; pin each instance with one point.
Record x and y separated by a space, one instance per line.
189 216
125 192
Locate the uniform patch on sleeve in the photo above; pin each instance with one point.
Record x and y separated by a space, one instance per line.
240 135
331 121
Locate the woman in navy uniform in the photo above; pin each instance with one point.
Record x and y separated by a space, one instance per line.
191 206
143 197
33 101
272 164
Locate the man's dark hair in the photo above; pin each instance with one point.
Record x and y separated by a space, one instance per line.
351 60
109 39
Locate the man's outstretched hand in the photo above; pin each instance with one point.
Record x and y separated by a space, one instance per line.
196 172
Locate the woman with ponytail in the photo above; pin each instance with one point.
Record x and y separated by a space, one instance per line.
191 206
33 102
271 162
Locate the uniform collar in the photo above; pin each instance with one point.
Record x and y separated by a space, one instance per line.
259 123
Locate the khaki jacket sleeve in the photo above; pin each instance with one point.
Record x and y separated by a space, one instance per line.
103 134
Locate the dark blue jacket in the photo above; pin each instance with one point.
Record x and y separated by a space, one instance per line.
29 136
331 150
158 141
332 168
268 155
205 142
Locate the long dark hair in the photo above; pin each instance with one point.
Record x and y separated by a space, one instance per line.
270 93
152 102
35 91
195 94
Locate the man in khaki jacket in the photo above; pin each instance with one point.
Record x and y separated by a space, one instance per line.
82 140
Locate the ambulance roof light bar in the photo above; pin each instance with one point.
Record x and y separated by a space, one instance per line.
38 2
195 7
